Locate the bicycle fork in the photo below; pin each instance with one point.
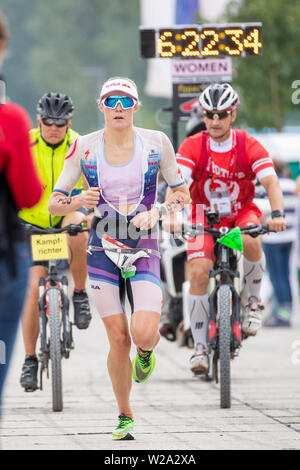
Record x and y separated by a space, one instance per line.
67 341
44 347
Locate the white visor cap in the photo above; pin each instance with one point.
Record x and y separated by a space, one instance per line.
117 85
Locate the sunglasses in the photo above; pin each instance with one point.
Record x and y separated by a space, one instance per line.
50 121
111 102
220 116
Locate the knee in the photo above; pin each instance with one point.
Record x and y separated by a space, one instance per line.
120 343
144 336
79 241
252 248
75 217
140 338
199 276
77 248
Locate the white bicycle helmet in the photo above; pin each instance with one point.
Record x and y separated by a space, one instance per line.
219 97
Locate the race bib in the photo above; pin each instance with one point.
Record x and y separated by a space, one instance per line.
220 201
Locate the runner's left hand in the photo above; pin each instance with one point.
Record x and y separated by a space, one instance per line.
146 220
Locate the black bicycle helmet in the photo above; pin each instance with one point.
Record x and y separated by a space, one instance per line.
219 97
55 105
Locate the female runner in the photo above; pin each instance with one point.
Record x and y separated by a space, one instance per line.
121 165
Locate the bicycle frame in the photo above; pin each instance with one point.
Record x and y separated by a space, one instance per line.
224 272
53 281
224 332
55 326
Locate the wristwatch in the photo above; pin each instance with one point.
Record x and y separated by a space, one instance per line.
277 213
162 211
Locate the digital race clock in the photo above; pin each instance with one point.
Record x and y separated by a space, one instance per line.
196 41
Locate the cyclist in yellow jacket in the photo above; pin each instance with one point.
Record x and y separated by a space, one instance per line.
50 143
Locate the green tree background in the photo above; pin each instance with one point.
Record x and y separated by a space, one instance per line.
265 82
72 46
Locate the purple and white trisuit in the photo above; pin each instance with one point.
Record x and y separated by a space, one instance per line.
132 183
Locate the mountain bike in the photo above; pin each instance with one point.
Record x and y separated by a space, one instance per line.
224 331
56 339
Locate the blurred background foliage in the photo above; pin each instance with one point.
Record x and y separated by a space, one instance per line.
72 46
265 83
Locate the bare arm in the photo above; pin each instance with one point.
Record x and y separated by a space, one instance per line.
271 185
175 202
177 195
60 204
176 199
171 221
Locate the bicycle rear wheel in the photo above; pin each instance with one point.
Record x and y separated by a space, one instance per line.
55 348
224 345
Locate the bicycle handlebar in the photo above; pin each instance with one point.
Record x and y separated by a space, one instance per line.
192 231
71 229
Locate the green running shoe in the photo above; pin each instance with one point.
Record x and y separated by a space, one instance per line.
124 430
142 366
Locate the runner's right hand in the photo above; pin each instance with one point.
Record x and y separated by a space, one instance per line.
90 198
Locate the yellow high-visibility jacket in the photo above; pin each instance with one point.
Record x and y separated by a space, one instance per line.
49 161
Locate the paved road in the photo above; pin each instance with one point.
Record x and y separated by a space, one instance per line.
173 410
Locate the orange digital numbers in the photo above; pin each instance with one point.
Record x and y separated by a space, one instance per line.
202 41
166 47
192 48
184 43
210 43
231 41
235 38
252 41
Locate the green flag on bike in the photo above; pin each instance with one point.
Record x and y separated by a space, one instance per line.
233 239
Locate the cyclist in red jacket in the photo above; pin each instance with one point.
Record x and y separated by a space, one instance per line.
19 187
220 165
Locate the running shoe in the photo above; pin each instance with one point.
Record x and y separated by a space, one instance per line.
124 430
199 362
29 374
253 317
142 366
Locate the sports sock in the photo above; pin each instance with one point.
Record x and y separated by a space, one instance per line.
199 313
142 351
129 415
77 291
253 273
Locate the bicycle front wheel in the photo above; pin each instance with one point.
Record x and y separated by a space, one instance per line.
55 348
224 345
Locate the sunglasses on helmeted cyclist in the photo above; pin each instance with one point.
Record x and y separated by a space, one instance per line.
220 116
111 102
50 121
